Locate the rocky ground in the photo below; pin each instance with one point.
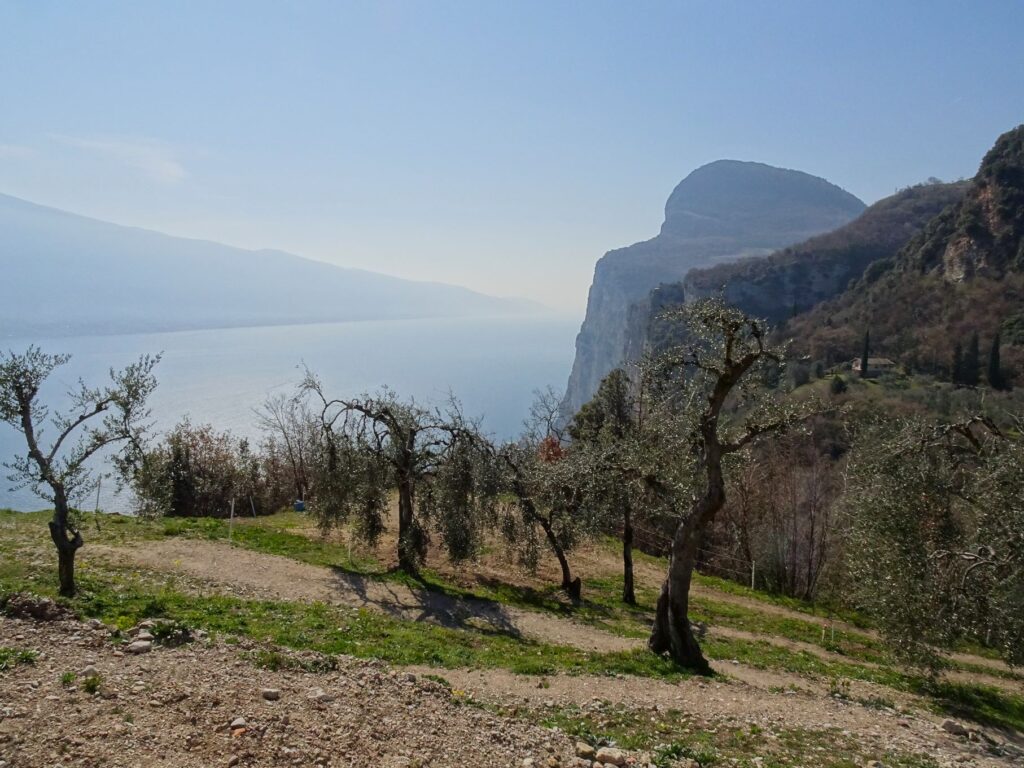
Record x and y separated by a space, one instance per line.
202 704
95 697
83 694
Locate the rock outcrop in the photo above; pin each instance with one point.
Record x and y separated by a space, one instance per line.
799 277
723 211
962 274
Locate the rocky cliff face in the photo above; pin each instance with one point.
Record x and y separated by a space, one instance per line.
963 273
723 211
983 235
796 278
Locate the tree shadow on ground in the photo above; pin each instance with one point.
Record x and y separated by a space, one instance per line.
414 599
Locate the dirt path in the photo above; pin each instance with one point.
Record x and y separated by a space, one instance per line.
730 702
256 574
595 560
201 705
271 576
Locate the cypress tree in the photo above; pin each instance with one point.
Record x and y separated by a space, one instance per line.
864 354
995 370
958 365
972 363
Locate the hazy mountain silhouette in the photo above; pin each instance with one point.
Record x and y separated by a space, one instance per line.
64 273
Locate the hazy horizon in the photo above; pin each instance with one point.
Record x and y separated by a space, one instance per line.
504 149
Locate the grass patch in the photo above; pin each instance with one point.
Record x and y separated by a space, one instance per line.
12 657
92 684
981 703
271 535
123 598
330 630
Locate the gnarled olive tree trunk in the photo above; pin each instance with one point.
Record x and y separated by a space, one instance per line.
408 544
672 633
728 346
68 541
573 587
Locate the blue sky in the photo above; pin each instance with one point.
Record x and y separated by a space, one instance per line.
503 146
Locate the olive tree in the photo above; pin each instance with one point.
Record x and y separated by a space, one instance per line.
541 476
629 478
936 535
432 455
95 419
714 402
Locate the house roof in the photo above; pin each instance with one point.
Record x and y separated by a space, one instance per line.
875 362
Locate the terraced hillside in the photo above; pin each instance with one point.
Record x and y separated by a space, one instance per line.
330 657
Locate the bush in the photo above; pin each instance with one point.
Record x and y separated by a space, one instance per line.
799 374
197 472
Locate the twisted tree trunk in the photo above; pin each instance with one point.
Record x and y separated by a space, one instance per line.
68 540
408 544
672 633
573 587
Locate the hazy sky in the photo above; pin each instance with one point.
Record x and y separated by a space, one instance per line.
500 145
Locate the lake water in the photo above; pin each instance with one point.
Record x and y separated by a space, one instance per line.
219 376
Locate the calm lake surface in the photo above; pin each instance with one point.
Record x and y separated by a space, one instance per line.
492 365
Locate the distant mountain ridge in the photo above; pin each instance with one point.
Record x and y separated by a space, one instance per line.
962 274
722 211
797 278
65 273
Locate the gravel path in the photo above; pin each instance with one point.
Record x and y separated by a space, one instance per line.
276 577
256 574
202 704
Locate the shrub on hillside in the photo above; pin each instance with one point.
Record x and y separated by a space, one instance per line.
197 471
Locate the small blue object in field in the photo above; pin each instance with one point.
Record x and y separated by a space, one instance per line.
300 505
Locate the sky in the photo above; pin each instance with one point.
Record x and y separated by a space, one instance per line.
500 146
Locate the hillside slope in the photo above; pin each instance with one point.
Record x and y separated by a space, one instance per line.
963 274
70 274
796 278
799 277
722 211
477 655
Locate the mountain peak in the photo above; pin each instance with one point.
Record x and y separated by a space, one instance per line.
722 211
729 198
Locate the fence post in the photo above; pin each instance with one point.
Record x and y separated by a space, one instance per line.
753 567
231 521
96 514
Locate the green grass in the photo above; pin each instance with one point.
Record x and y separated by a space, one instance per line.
601 606
123 601
92 684
981 703
124 598
271 535
12 657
